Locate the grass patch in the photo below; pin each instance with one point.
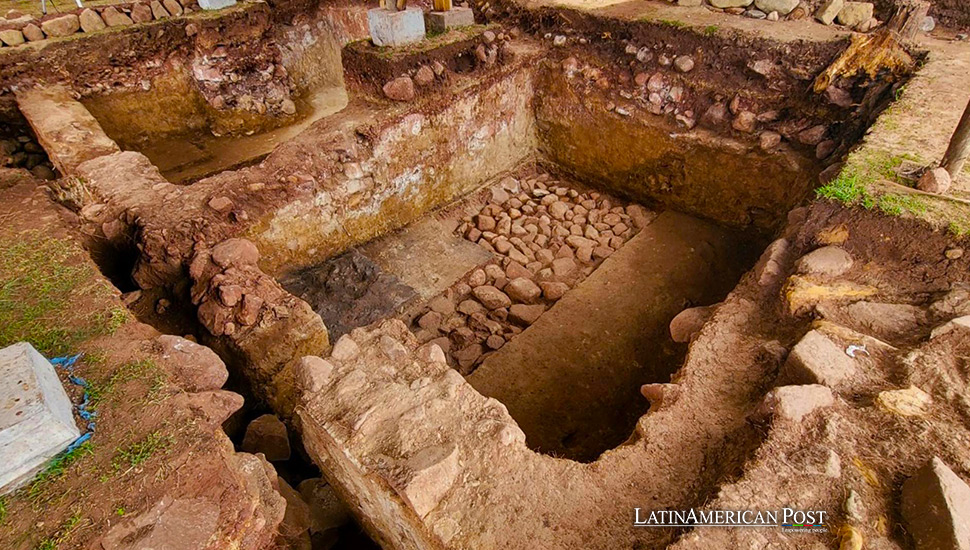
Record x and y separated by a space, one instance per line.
3 509
959 229
710 30
673 23
101 391
847 188
43 287
851 185
896 205
56 469
137 453
63 533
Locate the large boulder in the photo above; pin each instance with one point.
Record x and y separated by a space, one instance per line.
195 367
936 508
816 359
91 21
65 25
783 7
12 37
114 18
854 14
830 261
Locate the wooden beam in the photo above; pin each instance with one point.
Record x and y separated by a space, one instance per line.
959 149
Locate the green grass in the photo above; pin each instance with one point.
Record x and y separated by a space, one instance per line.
56 469
710 30
896 205
672 23
42 283
847 188
63 533
137 453
959 229
851 185
102 390
3 509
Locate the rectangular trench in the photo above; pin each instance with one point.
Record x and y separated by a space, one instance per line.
572 379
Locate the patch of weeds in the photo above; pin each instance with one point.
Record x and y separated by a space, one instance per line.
3 509
863 169
155 388
120 511
139 452
898 94
114 318
42 282
63 533
710 30
56 469
959 229
100 391
848 188
673 23
895 205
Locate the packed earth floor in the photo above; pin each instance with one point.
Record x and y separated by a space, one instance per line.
524 274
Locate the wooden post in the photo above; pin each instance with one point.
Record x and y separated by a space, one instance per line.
908 17
959 149
442 5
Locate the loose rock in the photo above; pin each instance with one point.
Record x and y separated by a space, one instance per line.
854 14
491 297
400 89
64 25
689 322
936 180
793 403
267 434
830 261
935 505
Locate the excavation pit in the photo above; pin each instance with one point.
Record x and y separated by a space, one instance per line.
551 297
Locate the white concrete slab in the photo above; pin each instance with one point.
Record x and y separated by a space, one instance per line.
36 415
395 28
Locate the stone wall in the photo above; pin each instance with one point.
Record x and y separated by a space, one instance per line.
415 163
654 160
17 29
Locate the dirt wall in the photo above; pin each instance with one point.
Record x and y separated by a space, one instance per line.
410 166
654 161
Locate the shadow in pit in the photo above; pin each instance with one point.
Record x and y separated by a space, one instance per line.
572 379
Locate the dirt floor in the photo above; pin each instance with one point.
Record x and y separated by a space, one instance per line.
609 335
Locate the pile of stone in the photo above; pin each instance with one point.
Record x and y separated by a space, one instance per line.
663 91
549 237
492 49
854 15
23 151
19 28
